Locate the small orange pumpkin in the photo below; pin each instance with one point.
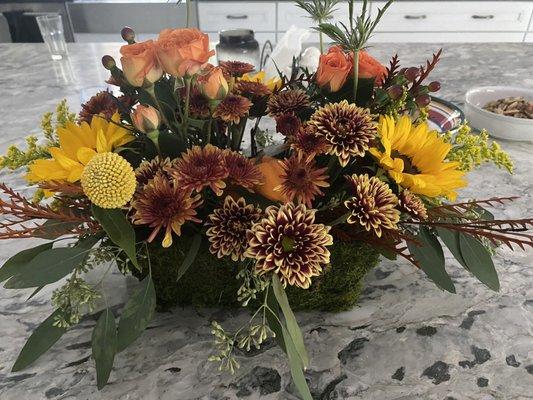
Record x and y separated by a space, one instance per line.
271 169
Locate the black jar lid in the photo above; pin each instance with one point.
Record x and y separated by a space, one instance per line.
237 36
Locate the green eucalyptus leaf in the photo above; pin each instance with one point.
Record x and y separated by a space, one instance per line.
191 256
104 346
53 229
451 240
290 320
479 261
47 267
118 229
34 293
12 265
40 341
137 314
274 322
431 258
295 364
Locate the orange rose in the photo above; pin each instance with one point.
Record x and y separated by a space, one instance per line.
369 67
146 118
139 62
271 169
333 69
213 85
183 51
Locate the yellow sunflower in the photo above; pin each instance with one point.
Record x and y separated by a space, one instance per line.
272 83
78 144
415 158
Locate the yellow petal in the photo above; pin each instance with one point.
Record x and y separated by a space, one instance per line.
60 156
101 142
75 174
85 155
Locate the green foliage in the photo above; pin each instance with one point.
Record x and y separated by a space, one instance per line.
72 300
431 259
16 158
104 346
318 10
15 263
137 314
191 256
471 150
42 339
478 261
119 230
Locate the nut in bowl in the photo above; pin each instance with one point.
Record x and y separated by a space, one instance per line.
496 122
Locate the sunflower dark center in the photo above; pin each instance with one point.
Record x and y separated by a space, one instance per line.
408 166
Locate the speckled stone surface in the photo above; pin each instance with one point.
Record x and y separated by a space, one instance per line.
405 340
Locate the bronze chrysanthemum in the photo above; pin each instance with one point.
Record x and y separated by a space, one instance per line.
148 169
228 226
241 170
288 124
307 142
413 205
290 101
164 204
235 68
232 108
288 243
372 205
301 180
201 167
252 90
348 129
103 103
199 104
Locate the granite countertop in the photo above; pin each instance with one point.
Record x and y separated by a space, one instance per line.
406 339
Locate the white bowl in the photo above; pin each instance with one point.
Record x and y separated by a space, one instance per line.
500 126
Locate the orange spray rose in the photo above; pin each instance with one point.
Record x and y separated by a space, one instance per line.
146 118
272 170
139 62
183 51
213 85
369 67
333 69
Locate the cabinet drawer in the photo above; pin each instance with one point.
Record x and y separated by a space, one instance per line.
218 16
261 37
458 16
448 37
289 14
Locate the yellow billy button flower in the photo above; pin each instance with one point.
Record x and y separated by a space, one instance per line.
108 180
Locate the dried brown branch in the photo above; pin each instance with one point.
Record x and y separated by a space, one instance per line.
426 70
445 210
392 70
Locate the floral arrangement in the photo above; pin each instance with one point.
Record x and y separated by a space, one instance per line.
179 161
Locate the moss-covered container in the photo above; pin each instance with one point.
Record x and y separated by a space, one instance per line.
211 282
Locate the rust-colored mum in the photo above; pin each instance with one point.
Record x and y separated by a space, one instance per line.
228 226
199 104
103 103
290 101
251 90
307 142
348 129
148 169
164 204
373 205
413 205
288 124
201 167
235 68
232 108
241 170
301 180
288 243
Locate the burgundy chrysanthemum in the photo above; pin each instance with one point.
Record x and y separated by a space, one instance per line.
228 226
288 124
290 101
201 167
251 90
148 169
413 205
102 103
307 142
199 104
241 170
232 108
348 129
288 243
164 204
236 68
301 180
373 205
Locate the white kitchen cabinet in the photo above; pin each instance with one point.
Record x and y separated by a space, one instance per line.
289 14
218 16
261 37
529 37
455 16
444 37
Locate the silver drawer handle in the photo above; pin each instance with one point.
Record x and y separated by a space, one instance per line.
237 16
422 16
483 16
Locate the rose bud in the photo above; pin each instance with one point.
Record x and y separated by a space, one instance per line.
145 118
411 73
333 69
140 63
395 92
434 86
108 62
213 85
423 100
128 34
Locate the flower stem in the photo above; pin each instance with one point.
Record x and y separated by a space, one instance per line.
355 74
321 37
185 122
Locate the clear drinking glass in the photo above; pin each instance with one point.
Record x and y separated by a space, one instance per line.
51 27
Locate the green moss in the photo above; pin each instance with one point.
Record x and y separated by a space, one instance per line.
211 282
